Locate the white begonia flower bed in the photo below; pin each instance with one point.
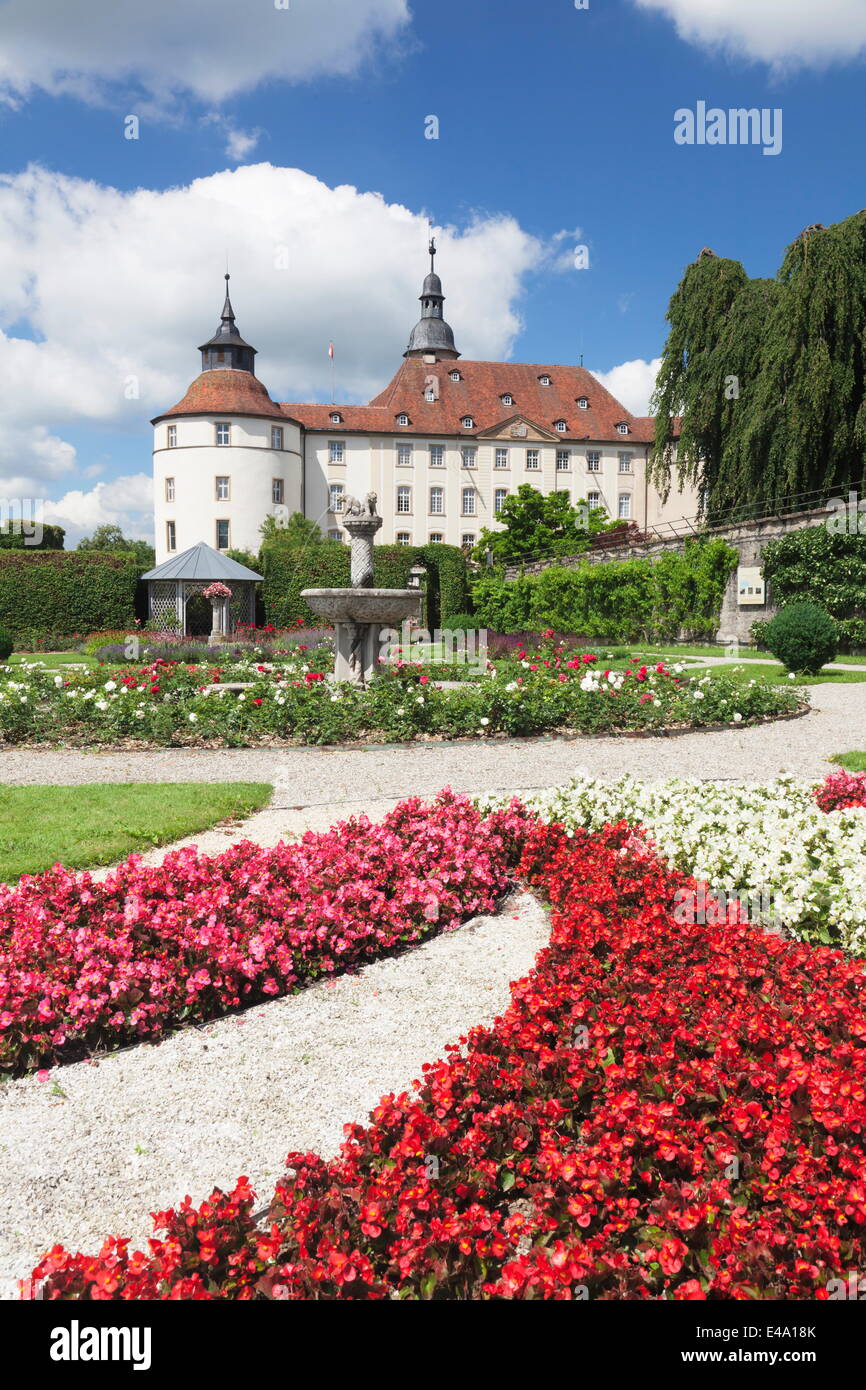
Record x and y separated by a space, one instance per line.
769 841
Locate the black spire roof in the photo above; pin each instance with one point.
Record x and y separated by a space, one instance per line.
431 333
227 349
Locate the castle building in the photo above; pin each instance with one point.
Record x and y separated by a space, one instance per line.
442 446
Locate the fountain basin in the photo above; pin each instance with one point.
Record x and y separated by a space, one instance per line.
379 606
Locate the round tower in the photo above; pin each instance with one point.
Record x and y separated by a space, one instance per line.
226 455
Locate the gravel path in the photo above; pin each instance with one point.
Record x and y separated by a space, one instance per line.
146 1126
356 776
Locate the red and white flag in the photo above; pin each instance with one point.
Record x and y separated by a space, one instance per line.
331 350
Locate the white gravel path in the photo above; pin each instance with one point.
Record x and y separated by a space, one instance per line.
148 1125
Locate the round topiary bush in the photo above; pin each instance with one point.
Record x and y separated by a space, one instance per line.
6 645
802 637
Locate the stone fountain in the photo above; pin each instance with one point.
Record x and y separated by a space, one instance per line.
360 613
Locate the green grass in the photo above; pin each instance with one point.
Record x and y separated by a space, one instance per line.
852 762
775 674
82 827
52 661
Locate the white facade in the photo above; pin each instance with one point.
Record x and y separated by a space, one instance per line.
221 493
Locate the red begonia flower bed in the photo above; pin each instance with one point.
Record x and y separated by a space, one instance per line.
840 790
86 965
665 1110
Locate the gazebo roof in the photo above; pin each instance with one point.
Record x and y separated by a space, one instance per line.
201 562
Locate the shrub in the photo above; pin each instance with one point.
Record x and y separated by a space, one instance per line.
461 622
823 566
6 644
802 637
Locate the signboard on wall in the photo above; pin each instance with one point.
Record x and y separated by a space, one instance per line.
750 586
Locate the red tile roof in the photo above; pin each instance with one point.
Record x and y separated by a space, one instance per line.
224 392
479 394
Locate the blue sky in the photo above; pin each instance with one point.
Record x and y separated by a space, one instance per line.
556 128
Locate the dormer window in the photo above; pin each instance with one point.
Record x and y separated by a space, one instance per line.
583 403
561 426
336 417
507 399
545 380
455 376
467 422
403 419
623 428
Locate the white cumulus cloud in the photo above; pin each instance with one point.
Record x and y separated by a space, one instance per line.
105 294
632 383
209 49
127 502
781 33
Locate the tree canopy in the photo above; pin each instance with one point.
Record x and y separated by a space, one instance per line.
110 537
535 526
768 376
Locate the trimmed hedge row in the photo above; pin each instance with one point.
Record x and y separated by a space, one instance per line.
617 601
66 591
287 570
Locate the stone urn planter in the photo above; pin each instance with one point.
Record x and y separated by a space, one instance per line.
219 596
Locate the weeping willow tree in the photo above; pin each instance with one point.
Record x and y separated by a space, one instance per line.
767 376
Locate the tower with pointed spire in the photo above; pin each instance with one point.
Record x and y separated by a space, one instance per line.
432 335
227 350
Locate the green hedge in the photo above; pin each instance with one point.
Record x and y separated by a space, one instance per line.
616 601
288 570
52 539
66 591
828 568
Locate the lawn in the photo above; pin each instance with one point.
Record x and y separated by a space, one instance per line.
81 827
774 674
52 661
852 762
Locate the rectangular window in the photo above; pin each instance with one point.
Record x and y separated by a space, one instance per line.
501 460
563 460
169 489
467 540
222 489
404 455
625 463
594 499
531 458
437 456
277 490
335 535
336 497
469 456
435 537
468 496
403 538
623 509
404 501
593 461
499 497
222 535
172 436
335 451
223 434
170 536
437 501
276 436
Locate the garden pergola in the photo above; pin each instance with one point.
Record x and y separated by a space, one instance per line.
176 588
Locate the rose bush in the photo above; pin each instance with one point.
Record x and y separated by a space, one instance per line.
87 964
298 701
665 1111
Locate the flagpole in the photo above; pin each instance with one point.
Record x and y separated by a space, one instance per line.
331 355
